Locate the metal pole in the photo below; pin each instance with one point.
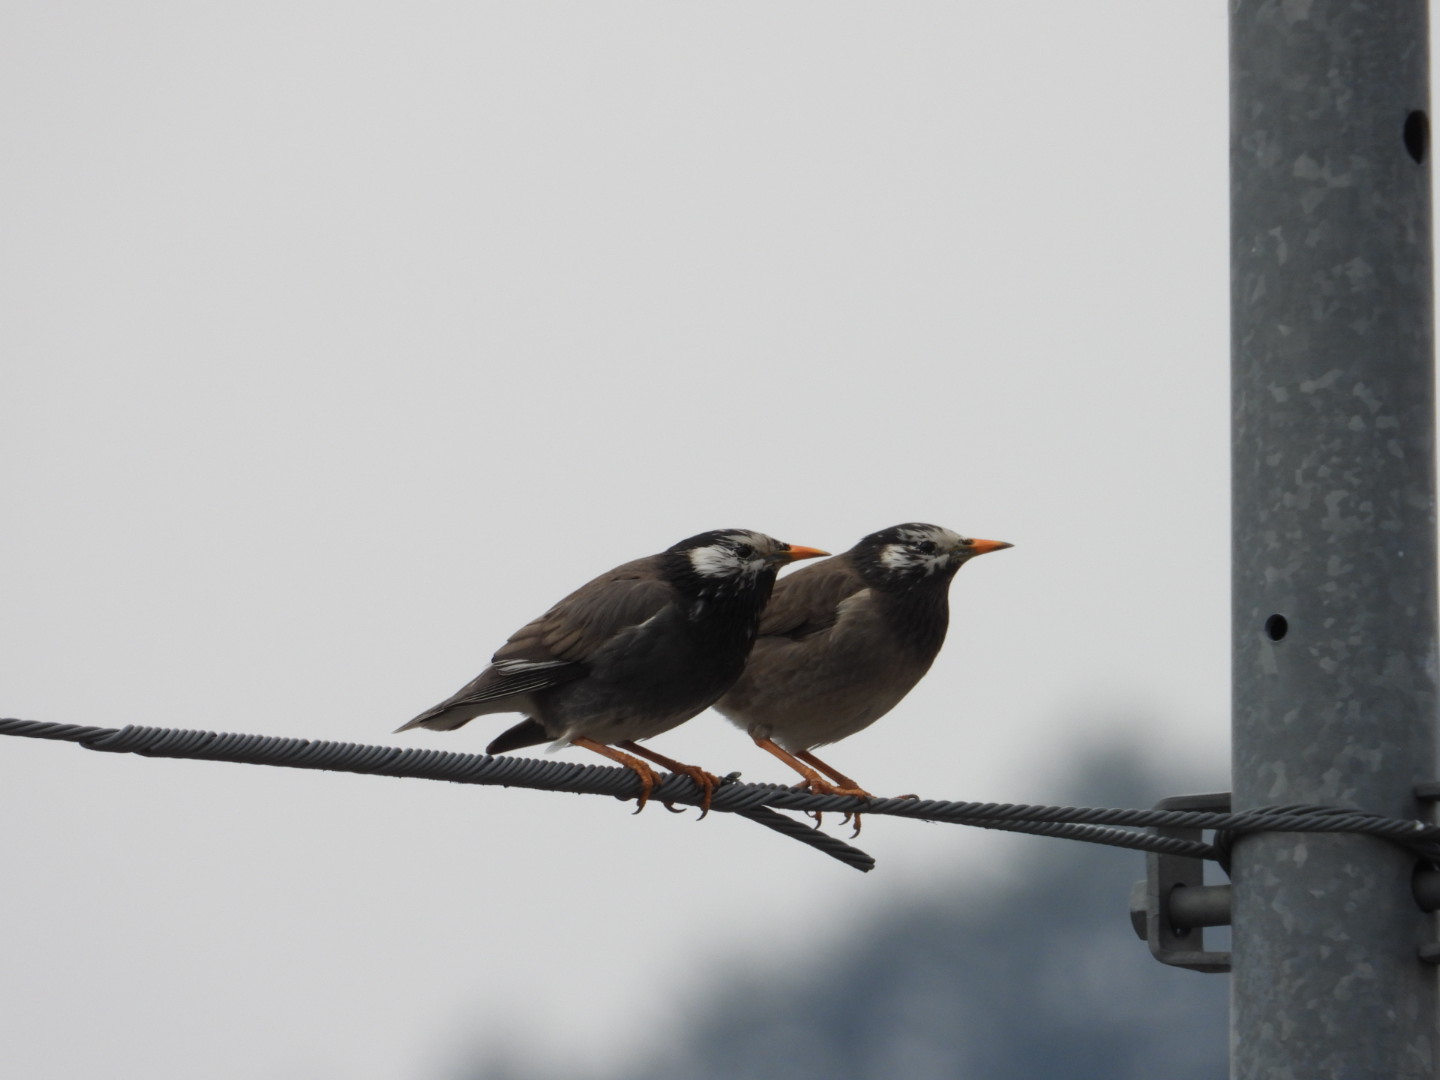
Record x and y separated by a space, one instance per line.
1333 480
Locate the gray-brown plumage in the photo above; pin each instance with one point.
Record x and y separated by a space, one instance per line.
631 654
843 641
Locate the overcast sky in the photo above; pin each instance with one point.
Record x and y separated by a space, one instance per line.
339 340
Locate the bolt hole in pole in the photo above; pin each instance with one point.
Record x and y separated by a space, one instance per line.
1276 627
1417 135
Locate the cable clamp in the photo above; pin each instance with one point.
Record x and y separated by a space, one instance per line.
1172 906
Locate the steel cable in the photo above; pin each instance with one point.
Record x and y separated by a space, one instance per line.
761 803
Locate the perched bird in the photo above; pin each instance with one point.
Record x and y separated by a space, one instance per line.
630 654
842 641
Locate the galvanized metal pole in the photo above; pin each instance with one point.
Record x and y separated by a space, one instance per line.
1333 478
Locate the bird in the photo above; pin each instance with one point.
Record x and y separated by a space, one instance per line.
630 654
843 641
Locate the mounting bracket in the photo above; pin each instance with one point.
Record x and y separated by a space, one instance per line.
1171 907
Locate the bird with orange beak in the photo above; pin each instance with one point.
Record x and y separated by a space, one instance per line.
843 641
631 654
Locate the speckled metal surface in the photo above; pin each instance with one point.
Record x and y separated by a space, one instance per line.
1334 529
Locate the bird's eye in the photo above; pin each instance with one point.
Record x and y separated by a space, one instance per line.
744 551
926 547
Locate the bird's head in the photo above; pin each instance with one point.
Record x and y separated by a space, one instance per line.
732 559
906 555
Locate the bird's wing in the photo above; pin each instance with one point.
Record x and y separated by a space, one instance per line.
580 625
554 648
806 601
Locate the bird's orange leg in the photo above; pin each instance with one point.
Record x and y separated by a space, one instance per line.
814 782
706 781
852 788
648 779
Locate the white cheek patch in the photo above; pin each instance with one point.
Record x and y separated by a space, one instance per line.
721 561
896 557
902 559
713 561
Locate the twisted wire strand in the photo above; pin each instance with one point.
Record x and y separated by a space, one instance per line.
420 764
760 803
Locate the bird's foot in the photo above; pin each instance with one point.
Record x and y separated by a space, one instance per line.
648 780
816 786
804 785
706 782
853 818
648 783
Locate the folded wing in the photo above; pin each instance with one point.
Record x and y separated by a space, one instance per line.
554 649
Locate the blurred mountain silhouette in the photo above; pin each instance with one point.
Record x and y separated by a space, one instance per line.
1042 978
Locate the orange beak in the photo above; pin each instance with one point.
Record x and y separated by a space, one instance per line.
797 552
984 547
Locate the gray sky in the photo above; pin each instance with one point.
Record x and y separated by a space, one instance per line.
340 340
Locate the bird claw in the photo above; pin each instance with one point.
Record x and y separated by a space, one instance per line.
648 783
851 817
705 781
804 786
821 787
